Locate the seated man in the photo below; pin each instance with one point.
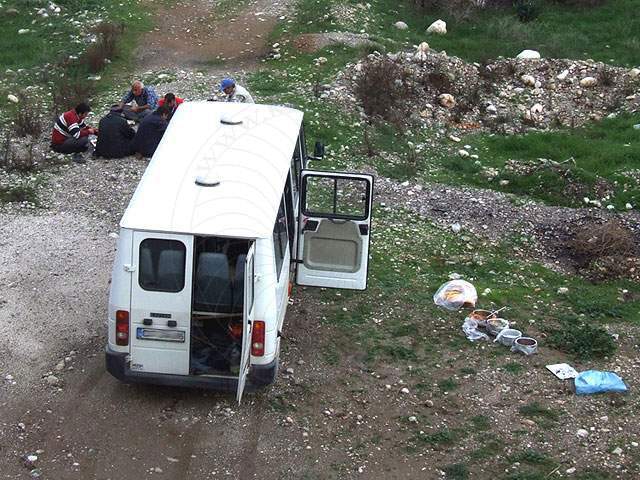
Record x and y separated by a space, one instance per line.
171 101
116 135
150 132
70 134
234 92
144 101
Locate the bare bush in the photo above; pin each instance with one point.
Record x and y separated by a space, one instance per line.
70 90
383 88
17 160
606 251
26 116
104 48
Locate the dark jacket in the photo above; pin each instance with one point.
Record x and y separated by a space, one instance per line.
149 134
114 136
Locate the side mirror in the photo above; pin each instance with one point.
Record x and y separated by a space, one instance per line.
318 151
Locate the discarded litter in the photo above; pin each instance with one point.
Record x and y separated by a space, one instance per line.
594 381
481 316
637 126
562 370
507 336
526 345
470 329
455 295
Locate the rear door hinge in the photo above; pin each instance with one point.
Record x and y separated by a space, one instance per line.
128 267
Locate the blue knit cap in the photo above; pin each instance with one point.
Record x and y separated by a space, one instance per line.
226 83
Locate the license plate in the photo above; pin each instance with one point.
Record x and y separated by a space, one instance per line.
159 335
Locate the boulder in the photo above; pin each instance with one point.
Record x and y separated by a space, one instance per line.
447 100
634 73
587 82
528 55
537 109
401 25
11 12
491 109
528 80
562 76
439 27
12 98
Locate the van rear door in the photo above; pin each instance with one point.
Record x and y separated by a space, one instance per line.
247 321
334 229
161 302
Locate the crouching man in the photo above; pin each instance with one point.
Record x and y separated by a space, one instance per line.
150 132
70 134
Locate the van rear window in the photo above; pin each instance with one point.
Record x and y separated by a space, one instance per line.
162 265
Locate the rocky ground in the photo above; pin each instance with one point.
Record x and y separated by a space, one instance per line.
63 416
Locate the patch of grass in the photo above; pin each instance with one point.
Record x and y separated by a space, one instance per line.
490 449
533 457
593 474
480 423
447 385
468 371
583 340
515 368
19 193
541 414
456 471
603 151
440 438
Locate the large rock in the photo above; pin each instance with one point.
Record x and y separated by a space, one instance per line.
528 55
634 73
421 52
401 25
447 100
11 12
587 82
439 27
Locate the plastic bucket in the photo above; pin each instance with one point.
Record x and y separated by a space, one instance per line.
526 345
508 336
496 325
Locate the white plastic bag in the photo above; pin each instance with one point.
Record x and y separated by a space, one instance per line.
470 329
456 294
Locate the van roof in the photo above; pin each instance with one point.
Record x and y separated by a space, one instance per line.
247 148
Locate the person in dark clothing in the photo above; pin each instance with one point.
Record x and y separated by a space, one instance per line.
116 135
150 132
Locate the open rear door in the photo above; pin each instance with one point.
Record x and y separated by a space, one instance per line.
245 359
335 224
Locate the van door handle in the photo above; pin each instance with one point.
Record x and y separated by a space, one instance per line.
364 229
128 267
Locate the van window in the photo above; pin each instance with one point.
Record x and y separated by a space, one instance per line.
280 237
342 197
162 265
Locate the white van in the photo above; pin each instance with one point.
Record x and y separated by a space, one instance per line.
225 216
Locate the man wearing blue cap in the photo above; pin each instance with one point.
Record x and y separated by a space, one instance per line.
234 92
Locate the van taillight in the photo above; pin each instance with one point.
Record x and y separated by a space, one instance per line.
122 327
257 338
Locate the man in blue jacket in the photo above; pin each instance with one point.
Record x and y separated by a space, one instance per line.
150 132
144 99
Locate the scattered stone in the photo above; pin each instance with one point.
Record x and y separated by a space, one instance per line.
60 366
413 419
563 291
439 27
528 80
582 433
463 153
453 138
570 470
447 100
617 451
11 12
563 75
528 55
456 227
421 52
401 25
634 73
428 403
12 98
289 371
404 390
22 31
588 82
52 380
491 109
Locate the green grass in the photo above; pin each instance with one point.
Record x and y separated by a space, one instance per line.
456 471
542 415
514 368
582 340
603 152
48 38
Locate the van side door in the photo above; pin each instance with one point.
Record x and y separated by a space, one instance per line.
247 320
334 229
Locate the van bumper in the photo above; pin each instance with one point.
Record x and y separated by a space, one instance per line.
259 375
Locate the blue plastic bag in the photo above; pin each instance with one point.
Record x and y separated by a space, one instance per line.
594 381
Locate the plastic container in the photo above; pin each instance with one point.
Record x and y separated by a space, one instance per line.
496 325
526 345
508 336
481 316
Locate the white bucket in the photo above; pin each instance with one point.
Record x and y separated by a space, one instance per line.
508 336
526 345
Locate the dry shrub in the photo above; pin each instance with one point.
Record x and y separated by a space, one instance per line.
606 76
104 48
605 251
71 90
382 89
17 160
26 116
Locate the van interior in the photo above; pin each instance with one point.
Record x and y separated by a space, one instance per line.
217 309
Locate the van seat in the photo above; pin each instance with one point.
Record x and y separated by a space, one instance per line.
212 291
238 283
146 267
171 270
